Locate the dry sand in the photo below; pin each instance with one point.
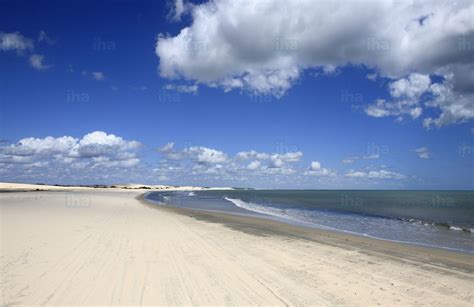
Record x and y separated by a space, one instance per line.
27 187
102 246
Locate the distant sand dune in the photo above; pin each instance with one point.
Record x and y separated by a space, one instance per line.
7 186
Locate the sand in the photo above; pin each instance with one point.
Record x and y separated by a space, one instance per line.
26 187
105 246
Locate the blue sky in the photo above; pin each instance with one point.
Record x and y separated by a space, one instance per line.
188 93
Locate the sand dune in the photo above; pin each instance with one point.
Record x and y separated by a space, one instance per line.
106 247
8 186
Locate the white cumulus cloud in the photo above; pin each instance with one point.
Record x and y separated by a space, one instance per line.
206 155
265 46
455 106
254 165
315 169
380 174
15 42
96 149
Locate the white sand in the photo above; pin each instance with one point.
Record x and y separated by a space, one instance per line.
106 247
9 186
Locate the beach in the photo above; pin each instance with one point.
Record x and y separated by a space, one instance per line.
86 246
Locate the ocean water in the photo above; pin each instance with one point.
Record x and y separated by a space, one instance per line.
443 219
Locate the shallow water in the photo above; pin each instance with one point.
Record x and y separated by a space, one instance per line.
443 219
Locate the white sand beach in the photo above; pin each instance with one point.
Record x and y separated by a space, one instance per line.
105 246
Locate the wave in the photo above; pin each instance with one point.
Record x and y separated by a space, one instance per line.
298 215
280 213
439 234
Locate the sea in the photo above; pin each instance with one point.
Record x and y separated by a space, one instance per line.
440 219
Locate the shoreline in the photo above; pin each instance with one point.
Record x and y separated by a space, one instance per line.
443 257
305 225
111 247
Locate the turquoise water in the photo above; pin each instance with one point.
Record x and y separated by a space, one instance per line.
443 219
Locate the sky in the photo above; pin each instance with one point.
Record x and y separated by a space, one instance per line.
266 94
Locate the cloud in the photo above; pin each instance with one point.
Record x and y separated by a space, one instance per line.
410 88
169 152
383 108
265 47
23 46
252 155
405 93
381 174
96 149
281 160
190 89
315 169
455 106
274 160
36 61
254 165
178 8
101 157
43 37
294 156
200 154
349 160
406 96
206 155
423 153
15 42
212 163
352 159
259 169
98 75
371 77
315 166
166 148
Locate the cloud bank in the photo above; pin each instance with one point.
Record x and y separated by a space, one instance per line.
265 47
207 164
99 157
51 156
